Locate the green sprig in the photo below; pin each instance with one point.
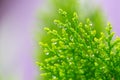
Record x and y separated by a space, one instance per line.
77 54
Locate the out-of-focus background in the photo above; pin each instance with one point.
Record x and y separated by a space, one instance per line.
18 21
112 11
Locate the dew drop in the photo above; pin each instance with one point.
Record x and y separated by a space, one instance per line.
60 51
54 42
70 63
47 53
54 77
93 55
71 38
67 58
91 24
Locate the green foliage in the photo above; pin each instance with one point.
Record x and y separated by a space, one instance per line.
47 18
71 6
75 53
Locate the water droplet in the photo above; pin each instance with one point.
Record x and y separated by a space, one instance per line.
54 77
59 50
47 53
86 55
91 24
93 55
70 63
67 58
71 38
54 42
103 67
97 51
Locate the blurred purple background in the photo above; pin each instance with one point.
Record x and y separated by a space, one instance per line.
112 9
17 19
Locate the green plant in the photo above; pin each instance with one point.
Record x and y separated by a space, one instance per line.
70 6
82 7
75 53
